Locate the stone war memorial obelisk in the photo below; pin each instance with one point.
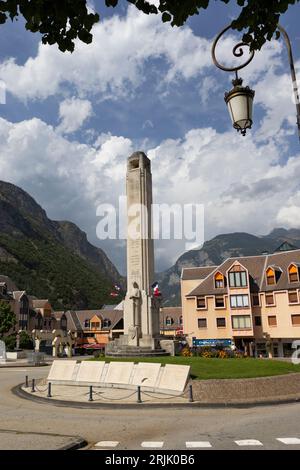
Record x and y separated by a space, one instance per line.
141 309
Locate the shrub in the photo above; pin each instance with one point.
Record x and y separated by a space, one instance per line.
207 354
229 352
212 352
222 354
99 354
239 354
186 352
26 341
10 342
7 317
207 351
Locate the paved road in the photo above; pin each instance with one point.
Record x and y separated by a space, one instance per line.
169 429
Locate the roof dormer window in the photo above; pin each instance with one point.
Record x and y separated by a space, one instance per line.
293 273
273 274
271 279
219 281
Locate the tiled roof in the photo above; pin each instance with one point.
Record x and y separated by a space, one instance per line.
283 260
173 312
73 323
39 303
10 284
120 306
256 265
58 314
76 318
189 274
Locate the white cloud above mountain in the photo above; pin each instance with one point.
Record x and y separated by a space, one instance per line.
243 186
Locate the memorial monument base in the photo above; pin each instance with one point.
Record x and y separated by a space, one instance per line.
148 347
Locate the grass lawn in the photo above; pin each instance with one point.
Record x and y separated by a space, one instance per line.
204 369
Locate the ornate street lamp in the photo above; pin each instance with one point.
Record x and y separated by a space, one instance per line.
240 103
240 99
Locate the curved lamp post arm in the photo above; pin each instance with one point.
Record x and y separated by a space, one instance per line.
237 52
293 73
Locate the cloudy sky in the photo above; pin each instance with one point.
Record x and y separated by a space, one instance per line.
71 120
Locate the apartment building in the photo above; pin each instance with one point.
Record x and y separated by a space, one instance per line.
251 303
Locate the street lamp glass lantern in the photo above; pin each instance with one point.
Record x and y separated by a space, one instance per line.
240 104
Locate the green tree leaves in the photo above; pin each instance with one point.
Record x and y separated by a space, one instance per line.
25 341
62 21
59 21
7 318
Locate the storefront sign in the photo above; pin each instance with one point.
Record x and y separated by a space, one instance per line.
212 342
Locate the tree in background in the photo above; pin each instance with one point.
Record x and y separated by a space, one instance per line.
25 341
7 318
62 21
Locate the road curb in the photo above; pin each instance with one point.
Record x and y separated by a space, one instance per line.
23 365
18 391
77 441
78 444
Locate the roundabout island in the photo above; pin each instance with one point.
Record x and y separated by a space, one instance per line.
163 382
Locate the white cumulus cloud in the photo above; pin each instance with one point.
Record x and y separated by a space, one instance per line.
73 113
113 64
243 186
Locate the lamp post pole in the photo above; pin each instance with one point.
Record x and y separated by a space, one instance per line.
293 74
245 109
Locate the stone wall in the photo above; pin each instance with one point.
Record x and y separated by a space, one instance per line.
257 389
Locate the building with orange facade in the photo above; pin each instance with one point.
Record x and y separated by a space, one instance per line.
251 303
95 328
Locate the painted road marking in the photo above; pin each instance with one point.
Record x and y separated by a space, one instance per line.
289 440
107 444
249 442
195 444
152 445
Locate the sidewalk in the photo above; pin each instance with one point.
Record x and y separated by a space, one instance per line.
16 440
48 361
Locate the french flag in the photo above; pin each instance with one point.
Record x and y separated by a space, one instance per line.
156 291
